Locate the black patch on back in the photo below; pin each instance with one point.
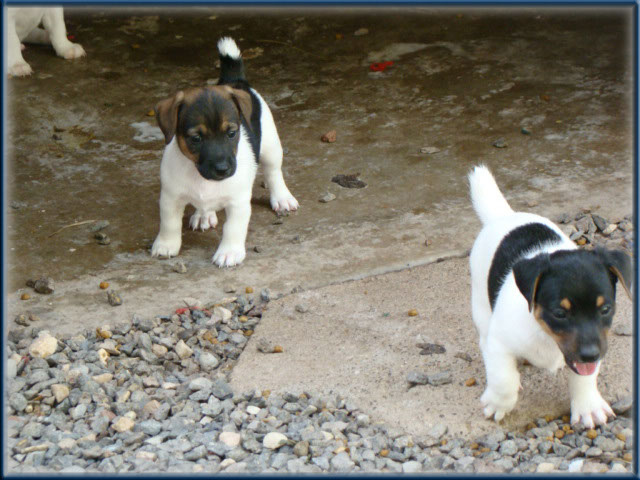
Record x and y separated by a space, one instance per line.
512 248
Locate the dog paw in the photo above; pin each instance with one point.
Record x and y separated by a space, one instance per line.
165 248
284 203
73 50
496 405
20 69
229 256
203 220
591 410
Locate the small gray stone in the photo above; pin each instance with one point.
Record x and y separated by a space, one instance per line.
508 448
440 378
208 361
44 285
327 197
301 449
301 308
342 463
417 378
114 298
179 267
500 143
200 384
221 389
622 405
412 466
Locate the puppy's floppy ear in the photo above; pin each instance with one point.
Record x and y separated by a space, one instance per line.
527 274
242 101
619 265
167 115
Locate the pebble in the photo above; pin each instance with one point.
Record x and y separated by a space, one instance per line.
114 298
500 143
622 405
179 267
183 350
329 137
274 440
327 197
429 150
361 31
231 439
44 285
300 308
44 345
123 424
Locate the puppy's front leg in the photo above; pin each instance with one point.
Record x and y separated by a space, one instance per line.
231 250
503 381
16 66
587 405
53 22
169 239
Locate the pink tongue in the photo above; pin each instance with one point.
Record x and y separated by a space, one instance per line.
586 368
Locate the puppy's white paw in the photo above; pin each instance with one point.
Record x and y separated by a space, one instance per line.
71 51
590 410
284 202
496 405
203 220
229 256
20 69
165 247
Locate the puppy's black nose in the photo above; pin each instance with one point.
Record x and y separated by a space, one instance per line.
222 169
589 353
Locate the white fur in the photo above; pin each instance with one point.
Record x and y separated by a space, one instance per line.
511 331
22 25
183 184
227 46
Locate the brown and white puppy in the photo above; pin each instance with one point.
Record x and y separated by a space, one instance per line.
22 26
214 137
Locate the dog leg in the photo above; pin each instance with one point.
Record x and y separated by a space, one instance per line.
168 241
203 220
53 22
231 250
16 66
503 381
587 405
271 158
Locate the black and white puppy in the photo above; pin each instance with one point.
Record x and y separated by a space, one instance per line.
22 26
214 137
536 296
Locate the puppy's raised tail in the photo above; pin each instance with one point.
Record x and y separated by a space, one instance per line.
487 199
231 66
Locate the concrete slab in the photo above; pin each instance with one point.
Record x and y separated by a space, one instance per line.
357 340
478 75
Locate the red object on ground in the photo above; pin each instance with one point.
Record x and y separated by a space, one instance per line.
380 67
181 311
71 37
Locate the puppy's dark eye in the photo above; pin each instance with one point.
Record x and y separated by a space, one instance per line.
196 138
559 313
605 310
231 133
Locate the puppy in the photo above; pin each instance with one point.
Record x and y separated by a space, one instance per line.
22 26
536 296
214 137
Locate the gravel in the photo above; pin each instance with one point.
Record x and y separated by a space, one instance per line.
157 399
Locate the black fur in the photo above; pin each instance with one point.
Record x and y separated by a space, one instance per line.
232 74
512 248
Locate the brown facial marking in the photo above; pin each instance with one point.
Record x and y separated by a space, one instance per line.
566 304
567 341
167 115
599 301
617 273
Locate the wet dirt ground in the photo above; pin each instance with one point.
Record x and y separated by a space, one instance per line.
461 80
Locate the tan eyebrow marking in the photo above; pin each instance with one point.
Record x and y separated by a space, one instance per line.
566 304
599 301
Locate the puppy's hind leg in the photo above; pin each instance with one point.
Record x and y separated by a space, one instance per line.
587 405
503 380
53 22
271 158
